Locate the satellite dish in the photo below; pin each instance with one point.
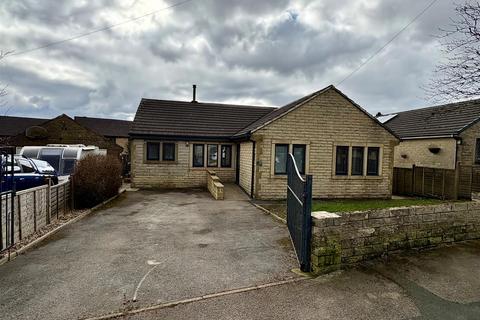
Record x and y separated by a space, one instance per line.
36 132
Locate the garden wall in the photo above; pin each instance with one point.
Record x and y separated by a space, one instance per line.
348 238
33 209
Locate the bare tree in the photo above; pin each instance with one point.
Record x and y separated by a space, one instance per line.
458 76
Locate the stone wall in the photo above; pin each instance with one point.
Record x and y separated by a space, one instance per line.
322 123
349 238
34 208
245 179
214 185
173 174
415 152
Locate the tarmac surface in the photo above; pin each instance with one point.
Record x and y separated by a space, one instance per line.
161 247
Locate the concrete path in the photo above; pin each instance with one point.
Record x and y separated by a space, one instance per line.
153 246
441 284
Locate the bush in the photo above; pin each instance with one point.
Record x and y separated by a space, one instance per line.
96 179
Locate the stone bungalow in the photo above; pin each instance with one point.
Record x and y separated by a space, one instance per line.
348 152
438 137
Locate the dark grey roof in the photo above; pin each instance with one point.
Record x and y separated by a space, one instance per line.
444 120
106 127
187 119
10 126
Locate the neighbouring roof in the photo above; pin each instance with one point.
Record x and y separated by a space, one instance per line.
10 126
106 127
438 121
193 119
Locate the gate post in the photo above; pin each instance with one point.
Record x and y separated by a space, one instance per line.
307 224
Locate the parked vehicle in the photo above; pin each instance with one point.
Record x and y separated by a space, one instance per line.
61 157
28 173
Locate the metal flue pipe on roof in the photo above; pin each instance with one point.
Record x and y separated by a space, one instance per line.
194 94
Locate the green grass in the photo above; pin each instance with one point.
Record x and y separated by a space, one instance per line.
345 205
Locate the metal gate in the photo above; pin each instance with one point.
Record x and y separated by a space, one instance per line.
7 197
299 210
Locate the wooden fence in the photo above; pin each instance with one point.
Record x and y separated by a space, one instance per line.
35 208
437 183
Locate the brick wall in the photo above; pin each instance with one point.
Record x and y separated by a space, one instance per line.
325 121
35 208
178 174
417 153
348 238
245 179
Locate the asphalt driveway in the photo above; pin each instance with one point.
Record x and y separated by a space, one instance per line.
152 246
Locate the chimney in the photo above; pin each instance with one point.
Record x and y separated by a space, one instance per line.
194 94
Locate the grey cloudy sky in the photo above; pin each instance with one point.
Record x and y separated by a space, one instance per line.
266 52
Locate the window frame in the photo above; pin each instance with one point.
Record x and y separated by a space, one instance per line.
147 151
477 151
362 162
228 147
203 155
174 151
377 174
275 158
303 169
347 172
208 155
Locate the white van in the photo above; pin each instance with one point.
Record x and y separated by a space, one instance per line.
62 157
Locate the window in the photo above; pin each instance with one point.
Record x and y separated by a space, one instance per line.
299 152
52 156
281 153
168 151
341 161
373 161
357 161
26 166
212 155
477 152
153 151
198 155
226 159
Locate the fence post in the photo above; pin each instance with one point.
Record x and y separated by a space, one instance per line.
47 195
456 181
413 180
35 211
64 199
423 181
19 203
72 198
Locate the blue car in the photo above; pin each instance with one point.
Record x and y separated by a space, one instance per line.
28 173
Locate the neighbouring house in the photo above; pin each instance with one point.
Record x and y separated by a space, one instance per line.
11 126
348 152
112 129
442 136
62 130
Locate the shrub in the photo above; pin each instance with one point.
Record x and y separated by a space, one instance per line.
96 179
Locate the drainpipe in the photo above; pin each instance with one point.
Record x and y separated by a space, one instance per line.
253 169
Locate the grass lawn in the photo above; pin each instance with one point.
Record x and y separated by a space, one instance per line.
347 205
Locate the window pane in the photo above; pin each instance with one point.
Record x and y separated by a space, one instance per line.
52 156
168 152
212 155
373 161
357 161
26 166
281 153
198 152
153 151
341 167
226 156
477 152
299 151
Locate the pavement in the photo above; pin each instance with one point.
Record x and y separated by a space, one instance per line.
179 246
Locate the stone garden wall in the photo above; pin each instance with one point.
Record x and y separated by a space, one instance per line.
348 238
